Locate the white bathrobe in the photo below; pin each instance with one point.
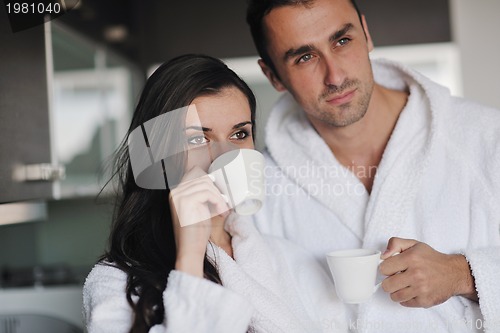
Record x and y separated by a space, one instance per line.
271 286
438 182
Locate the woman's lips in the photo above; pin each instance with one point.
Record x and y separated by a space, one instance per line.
342 99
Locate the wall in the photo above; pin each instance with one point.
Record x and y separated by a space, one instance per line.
159 30
396 22
219 28
475 29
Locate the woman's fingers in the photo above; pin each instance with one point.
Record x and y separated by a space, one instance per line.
201 185
197 185
197 199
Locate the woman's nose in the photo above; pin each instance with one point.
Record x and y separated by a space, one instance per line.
218 148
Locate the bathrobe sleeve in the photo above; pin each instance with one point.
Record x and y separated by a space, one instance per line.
485 266
191 304
484 254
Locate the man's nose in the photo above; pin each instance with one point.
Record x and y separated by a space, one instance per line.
333 71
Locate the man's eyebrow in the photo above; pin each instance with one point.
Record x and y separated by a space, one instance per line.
308 48
296 52
341 32
241 124
198 128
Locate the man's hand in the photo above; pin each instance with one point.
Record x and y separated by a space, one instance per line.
423 277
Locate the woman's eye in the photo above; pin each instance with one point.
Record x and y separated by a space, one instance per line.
239 135
305 58
197 140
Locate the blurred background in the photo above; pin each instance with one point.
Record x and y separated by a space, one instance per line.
68 89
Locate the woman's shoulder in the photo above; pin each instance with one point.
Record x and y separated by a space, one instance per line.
105 275
104 288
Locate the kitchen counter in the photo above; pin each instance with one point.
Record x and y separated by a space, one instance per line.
61 302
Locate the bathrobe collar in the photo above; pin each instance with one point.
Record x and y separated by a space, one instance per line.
295 146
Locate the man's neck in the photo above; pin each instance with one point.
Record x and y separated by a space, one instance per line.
360 146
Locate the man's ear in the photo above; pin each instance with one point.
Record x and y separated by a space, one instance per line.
367 34
269 73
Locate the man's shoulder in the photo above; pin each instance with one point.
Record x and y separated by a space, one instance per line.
472 130
472 109
270 162
274 173
466 116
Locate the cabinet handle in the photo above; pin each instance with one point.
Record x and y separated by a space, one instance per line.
39 172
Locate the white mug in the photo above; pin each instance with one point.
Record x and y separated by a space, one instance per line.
239 175
354 273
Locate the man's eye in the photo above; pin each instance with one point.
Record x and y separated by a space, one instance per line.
197 140
343 41
305 58
240 135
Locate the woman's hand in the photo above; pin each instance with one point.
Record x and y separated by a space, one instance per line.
193 202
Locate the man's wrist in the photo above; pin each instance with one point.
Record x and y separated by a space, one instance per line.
466 286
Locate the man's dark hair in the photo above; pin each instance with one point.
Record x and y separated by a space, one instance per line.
258 9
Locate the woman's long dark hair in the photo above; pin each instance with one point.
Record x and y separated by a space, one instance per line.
142 241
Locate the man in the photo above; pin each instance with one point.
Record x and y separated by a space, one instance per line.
371 154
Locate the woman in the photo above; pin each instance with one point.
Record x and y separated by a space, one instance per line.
219 275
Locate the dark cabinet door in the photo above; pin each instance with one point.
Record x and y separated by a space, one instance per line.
24 111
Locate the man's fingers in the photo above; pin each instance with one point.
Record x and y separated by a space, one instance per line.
414 303
403 295
396 245
395 282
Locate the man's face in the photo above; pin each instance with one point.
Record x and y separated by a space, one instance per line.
320 53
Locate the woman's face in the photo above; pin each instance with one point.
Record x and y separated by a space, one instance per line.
216 124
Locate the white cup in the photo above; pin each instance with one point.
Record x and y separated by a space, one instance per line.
239 175
354 273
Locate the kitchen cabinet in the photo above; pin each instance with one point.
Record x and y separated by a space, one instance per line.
65 105
93 94
25 138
